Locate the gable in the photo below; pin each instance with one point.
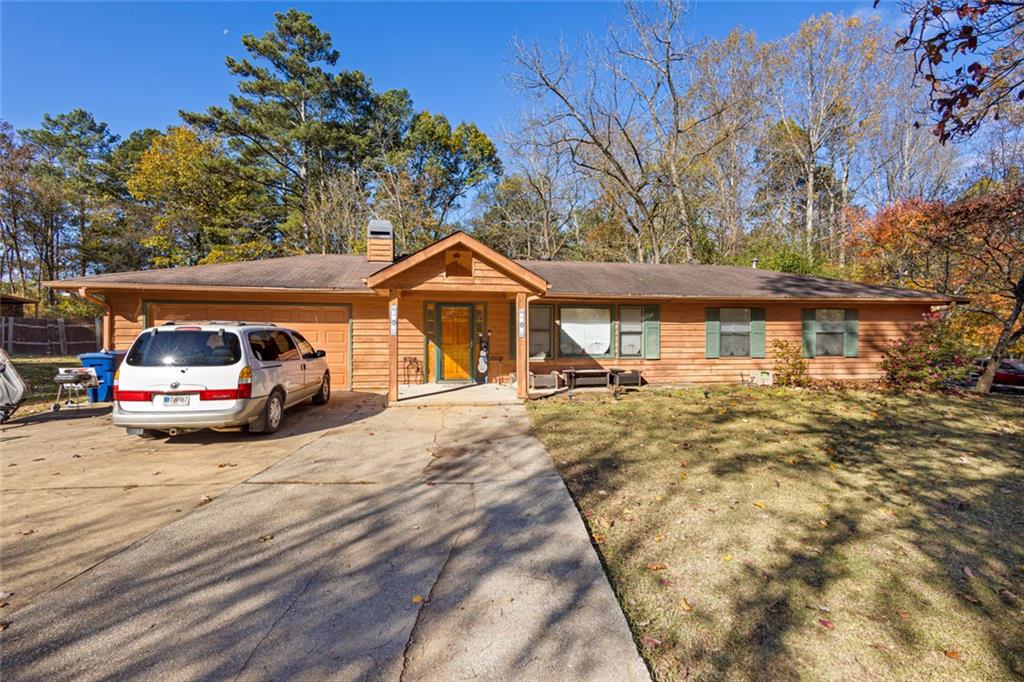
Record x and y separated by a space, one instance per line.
457 263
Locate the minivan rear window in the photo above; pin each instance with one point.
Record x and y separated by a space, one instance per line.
189 348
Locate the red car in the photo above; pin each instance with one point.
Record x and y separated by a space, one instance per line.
1009 373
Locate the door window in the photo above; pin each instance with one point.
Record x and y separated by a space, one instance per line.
271 346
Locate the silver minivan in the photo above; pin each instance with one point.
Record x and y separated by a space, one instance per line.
183 376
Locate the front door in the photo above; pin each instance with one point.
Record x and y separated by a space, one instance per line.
456 345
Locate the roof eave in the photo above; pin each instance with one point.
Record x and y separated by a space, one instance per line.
135 286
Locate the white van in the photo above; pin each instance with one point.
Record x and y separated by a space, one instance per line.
183 376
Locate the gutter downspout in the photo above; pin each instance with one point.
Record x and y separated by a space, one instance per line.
108 316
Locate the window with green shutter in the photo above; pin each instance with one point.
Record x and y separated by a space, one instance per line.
830 332
734 332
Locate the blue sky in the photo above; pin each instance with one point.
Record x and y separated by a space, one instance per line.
135 65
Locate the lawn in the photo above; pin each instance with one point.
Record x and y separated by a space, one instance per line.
38 373
778 534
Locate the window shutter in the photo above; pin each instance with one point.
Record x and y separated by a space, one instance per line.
712 326
851 332
652 332
512 331
808 333
757 332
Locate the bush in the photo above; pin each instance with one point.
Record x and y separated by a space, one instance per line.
928 359
790 365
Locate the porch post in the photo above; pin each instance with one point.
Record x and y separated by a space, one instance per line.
522 327
393 345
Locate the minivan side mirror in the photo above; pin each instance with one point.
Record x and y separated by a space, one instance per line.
321 354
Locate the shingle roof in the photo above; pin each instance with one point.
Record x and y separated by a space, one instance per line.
310 271
572 278
567 278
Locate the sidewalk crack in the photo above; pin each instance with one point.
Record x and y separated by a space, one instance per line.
430 593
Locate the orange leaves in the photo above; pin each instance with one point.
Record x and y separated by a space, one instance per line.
656 566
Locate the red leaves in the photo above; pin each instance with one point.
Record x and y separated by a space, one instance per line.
826 623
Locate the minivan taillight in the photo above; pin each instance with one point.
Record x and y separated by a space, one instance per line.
245 383
132 396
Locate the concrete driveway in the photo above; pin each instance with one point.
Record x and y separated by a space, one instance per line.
409 543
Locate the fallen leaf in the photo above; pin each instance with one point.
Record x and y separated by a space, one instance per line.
971 598
659 538
30 531
650 642
823 523
597 538
656 566
685 605
3 626
759 504
903 615
881 646
418 599
968 572
819 607
727 557
264 538
682 475
826 623
952 654
205 499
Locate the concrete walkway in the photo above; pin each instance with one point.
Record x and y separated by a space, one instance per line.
419 543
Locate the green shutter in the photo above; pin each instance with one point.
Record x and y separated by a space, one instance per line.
757 332
851 332
712 325
808 333
652 332
512 331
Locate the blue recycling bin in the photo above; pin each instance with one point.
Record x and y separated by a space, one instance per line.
105 364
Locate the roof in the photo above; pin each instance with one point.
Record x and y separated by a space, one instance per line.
311 271
346 273
624 280
14 298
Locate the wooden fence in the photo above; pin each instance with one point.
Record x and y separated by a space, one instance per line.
40 336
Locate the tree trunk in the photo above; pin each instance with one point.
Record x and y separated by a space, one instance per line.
809 211
1006 339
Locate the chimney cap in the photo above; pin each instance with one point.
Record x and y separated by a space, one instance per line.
380 229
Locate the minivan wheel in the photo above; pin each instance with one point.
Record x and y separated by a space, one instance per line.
273 412
324 394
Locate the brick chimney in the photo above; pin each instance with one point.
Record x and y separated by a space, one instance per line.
380 242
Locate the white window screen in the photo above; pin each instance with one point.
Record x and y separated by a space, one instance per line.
586 331
540 332
631 332
829 327
734 334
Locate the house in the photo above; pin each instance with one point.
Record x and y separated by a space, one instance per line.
420 318
12 305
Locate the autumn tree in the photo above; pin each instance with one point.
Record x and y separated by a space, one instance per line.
205 209
971 55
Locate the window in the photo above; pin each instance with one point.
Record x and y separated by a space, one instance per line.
181 348
458 264
734 340
585 331
734 332
829 331
541 325
304 346
631 332
270 346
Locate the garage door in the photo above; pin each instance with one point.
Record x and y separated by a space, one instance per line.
326 327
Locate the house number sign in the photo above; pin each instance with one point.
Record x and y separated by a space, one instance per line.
522 322
394 319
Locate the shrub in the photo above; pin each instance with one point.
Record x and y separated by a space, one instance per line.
927 359
790 365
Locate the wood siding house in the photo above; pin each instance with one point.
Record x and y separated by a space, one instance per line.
421 318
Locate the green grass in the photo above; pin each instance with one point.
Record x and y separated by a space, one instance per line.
774 534
38 373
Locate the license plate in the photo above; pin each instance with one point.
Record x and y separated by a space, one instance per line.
176 400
